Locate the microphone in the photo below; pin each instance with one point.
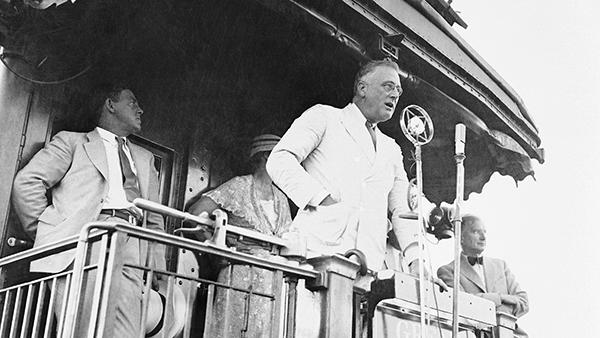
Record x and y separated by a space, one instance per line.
416 125
459 139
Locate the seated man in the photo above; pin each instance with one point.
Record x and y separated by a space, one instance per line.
485 277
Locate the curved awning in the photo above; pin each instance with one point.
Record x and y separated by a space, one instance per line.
487 150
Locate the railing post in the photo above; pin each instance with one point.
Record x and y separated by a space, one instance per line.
335 286
111 285
506 325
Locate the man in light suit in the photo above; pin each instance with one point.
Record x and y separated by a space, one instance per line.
485 277
93 176
345 175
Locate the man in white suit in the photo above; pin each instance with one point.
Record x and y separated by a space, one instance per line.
93 176
345 175
485 277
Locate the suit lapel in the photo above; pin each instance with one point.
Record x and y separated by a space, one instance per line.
470 273
358 131
96 152
142 170
489 273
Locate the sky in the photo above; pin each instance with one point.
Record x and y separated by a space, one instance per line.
547 229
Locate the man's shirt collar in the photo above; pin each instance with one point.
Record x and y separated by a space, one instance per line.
108 136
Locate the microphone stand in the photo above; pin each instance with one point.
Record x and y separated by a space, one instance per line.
421 241
418 128
459 157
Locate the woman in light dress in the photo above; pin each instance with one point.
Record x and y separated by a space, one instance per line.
252 202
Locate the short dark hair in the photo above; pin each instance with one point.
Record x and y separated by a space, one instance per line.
370 66
100 93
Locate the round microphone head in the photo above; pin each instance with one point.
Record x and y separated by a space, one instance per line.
416 126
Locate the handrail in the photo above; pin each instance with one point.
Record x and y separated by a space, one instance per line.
184 243
205 220
87 233
44 250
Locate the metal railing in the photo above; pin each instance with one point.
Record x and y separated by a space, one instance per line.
82 301
52 305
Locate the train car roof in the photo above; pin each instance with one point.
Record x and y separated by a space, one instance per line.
440 71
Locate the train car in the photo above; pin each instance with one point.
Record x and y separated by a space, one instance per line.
210 75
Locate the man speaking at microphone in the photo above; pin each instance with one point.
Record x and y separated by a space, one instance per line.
93 177
345 175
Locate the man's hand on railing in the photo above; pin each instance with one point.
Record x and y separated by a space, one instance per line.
413 268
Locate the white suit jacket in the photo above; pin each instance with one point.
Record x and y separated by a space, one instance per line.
330 149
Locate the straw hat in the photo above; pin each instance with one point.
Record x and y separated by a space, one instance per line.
264 142
161 307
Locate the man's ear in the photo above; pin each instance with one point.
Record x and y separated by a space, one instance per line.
109 105
361 89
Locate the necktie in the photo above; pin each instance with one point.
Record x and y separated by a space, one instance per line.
371 129
130 183
475 260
